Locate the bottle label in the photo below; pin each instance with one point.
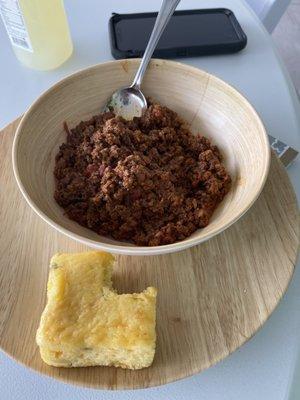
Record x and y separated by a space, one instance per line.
14 23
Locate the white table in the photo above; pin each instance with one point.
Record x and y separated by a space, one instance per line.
263 367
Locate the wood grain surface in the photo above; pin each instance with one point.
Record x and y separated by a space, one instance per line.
211 298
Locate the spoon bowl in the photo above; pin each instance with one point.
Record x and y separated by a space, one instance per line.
128 102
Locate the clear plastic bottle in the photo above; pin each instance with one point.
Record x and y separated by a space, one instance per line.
38 31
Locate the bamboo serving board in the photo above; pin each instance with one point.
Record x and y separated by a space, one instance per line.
211 298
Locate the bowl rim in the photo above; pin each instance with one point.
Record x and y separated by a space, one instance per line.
133 249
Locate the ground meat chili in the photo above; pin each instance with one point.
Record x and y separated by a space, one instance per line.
149 181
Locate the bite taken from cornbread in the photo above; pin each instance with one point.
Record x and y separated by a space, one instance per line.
86 323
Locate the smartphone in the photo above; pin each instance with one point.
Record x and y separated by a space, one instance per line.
189 33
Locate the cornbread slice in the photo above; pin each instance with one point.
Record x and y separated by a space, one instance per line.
86 323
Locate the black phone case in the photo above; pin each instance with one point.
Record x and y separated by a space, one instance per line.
222 48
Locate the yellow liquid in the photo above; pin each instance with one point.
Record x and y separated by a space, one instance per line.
49 34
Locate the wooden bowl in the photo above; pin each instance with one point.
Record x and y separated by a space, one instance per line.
210 105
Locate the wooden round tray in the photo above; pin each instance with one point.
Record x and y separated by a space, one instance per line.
211 298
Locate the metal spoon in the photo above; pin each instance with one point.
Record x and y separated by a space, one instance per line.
130 102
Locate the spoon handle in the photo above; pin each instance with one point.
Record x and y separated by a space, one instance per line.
164 15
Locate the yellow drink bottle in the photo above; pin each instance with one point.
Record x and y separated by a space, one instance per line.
38 31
